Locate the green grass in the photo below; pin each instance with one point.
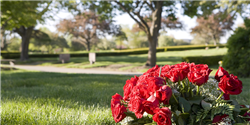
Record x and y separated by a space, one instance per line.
58 98
132 61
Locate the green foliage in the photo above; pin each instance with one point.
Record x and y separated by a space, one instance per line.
10 55
237 59
170 41
209 60
106 44
43 40
22 13
165 41
14 44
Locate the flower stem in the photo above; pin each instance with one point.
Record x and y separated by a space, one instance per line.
179 83
198 90
167 82
175 98
160 72
219 96
183 83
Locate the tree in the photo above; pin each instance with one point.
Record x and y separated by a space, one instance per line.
44 38
237 58
213 27
87 27
3 39
21 17
14 44
120 38
155 9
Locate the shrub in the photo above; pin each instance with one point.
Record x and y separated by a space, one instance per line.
10 55
237 59
209 60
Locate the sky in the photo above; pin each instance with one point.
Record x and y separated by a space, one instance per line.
125 19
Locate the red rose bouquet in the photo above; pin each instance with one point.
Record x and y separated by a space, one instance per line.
180 94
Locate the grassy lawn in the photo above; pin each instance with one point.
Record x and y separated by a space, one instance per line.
127 63
59 98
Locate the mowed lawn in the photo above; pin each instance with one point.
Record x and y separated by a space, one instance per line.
128 61
30 97
58 98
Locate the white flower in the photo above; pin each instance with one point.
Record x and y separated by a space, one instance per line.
210 89
225 121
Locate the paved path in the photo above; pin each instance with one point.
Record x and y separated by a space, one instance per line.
72 70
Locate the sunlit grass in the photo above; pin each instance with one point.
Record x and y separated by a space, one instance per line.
163 58
58 98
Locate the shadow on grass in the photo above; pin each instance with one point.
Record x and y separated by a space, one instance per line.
62 89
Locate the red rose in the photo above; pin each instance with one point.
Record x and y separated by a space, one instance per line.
220 73
164 94
153 72
128 87
117 108
144 90
118 112
140 90
151 104
135 105
198 74
115 100
177 72
154 83
162 116
143 79
226 96
230 85
219 118
165 69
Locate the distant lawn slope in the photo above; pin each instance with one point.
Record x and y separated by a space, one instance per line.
126 63
59 98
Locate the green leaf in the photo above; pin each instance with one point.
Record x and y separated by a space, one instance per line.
195 100
206 105
184 104
237 106
243 111
185 116
195 108
181 121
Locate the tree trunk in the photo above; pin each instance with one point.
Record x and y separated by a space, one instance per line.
88 45
25 33
152 52
214 40
2 40
154 33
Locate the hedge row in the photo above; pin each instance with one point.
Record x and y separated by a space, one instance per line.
209 60
14 55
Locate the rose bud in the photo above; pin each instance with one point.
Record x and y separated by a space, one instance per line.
220 73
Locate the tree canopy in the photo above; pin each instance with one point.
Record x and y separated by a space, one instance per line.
212 28
154 11
21 17
87 27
